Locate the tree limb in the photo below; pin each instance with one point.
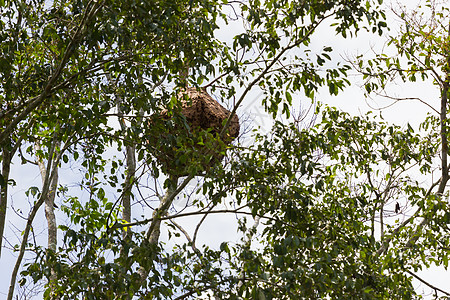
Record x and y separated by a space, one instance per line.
69 51
436 289
53 166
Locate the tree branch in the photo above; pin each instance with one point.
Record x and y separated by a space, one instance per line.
51 165
267 69
70 50
436 289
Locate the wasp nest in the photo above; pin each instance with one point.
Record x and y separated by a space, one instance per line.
191 136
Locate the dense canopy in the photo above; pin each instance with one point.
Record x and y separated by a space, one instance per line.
93 99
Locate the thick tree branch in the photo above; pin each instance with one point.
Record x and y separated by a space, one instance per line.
53 166
49 200
6 165
49 208
444 149
7 155
45 189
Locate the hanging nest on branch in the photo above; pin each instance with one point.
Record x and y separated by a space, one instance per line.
188 139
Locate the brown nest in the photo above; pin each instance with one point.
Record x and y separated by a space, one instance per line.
188 140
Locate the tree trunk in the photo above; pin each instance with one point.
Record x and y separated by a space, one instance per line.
51 168
131 170
49 201
6 163
49 208
154 230
126 200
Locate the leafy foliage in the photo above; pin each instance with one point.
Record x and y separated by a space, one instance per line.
80 81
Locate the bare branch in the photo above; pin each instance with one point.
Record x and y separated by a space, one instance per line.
436 289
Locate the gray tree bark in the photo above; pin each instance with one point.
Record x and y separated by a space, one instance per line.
49 201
